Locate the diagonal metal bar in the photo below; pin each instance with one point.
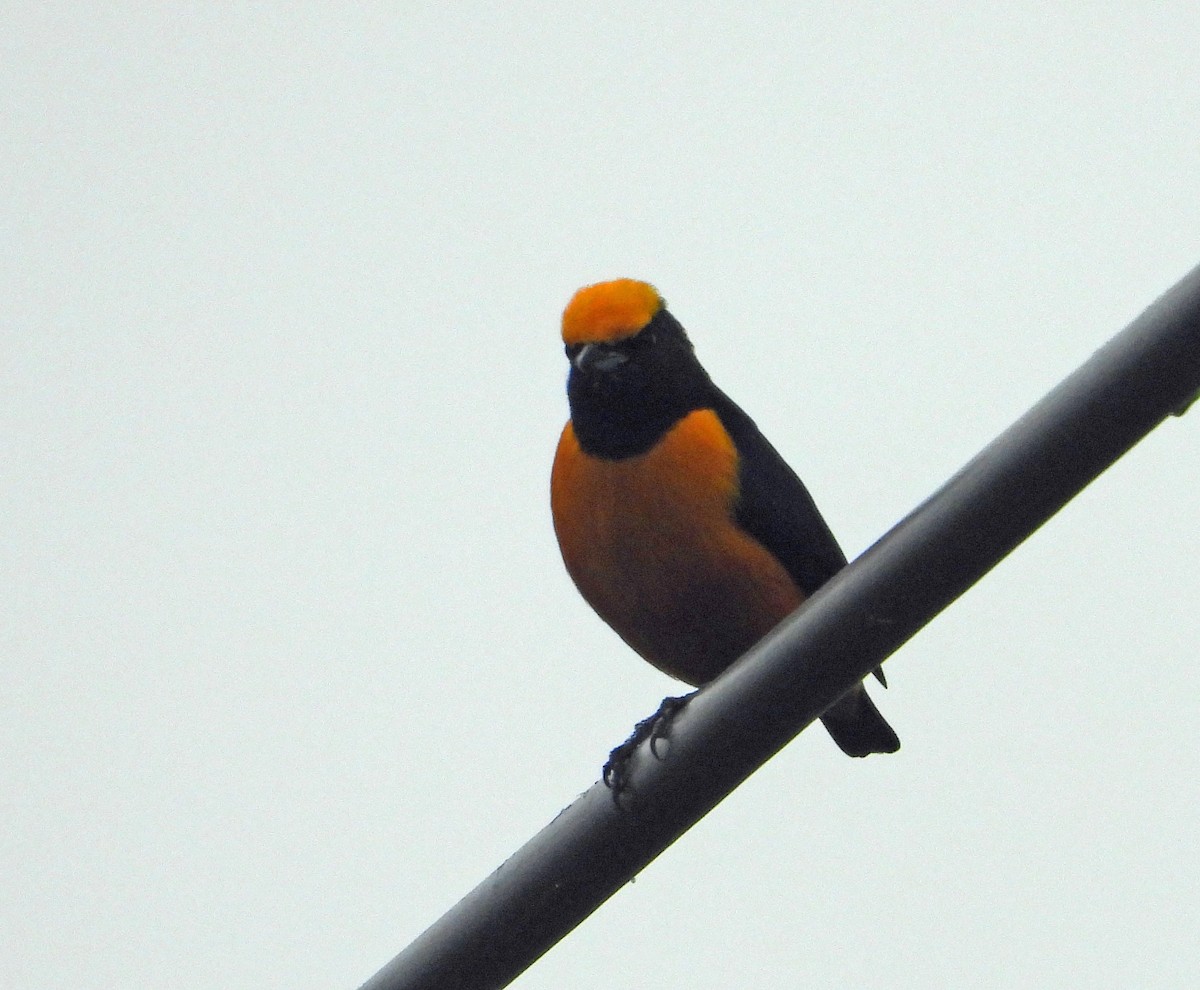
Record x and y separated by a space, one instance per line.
1147 372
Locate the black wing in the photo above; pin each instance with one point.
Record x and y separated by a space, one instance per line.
774 506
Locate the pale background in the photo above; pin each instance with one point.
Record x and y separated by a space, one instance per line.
289 658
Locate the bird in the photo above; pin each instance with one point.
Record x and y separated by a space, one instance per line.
678 522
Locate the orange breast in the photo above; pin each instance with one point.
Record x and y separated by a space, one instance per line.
651 543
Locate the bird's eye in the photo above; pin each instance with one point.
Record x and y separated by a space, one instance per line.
642 342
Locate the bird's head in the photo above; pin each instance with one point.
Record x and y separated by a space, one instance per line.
633 372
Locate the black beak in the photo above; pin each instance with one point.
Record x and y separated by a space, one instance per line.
599 358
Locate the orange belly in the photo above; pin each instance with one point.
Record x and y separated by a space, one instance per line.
652 545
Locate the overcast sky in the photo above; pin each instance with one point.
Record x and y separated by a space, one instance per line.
290 661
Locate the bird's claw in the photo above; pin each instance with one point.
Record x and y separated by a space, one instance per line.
656 729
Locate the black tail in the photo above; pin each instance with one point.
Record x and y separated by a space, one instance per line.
857 727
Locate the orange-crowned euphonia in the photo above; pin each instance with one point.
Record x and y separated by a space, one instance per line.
677 520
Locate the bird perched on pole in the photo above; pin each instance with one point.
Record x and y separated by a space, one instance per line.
678 522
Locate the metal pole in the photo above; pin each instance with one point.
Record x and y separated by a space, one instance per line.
859 618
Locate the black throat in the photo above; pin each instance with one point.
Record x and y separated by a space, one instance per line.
625 411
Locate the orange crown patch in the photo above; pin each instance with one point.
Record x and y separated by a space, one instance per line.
609 311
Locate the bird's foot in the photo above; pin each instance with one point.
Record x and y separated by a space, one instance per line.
656 728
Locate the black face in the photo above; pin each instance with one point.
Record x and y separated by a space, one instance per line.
625 396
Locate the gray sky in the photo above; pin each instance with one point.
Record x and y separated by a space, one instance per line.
290 661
